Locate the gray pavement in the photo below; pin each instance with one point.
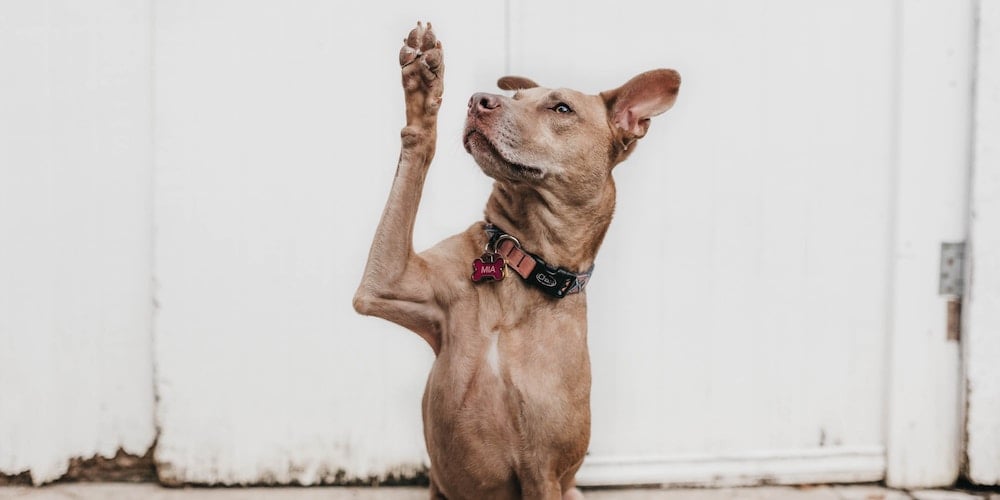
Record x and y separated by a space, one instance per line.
111 491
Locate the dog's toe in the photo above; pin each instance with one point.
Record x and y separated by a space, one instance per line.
407 55
428 40
415 38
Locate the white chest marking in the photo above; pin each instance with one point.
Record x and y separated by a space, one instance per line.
493 354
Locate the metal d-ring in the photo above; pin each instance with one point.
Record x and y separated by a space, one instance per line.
496 244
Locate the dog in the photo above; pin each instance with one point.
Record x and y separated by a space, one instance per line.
506 408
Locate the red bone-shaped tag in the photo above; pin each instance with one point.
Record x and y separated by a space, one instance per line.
488 267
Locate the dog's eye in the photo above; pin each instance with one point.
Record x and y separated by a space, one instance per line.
562 108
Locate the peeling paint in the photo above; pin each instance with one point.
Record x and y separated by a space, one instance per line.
125 467
402 475
122 467
21 479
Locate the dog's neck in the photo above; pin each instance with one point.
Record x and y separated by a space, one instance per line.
565 235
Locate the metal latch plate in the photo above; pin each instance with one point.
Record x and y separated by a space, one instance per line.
952 273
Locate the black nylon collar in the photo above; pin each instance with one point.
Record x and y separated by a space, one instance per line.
554 281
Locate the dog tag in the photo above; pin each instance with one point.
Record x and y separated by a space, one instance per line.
489 267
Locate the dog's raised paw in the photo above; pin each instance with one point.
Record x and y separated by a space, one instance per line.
422 64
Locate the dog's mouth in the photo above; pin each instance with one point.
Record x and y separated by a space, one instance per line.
481 143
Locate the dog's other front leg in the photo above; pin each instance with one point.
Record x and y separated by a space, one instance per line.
397 283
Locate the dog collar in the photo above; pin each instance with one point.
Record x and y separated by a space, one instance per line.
554 281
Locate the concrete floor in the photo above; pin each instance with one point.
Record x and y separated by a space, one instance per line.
107 491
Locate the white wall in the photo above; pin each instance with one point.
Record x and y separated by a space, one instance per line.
75 246
795 198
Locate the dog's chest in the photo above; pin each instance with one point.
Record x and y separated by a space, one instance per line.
513 373
511 385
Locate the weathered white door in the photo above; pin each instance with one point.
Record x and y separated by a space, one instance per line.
771 272
277 139
75 227
764 309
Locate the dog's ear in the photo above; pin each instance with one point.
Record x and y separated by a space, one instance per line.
516 83
632 105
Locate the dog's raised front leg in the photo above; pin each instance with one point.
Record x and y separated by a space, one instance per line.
396 285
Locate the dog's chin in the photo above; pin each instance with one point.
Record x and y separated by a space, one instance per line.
493 163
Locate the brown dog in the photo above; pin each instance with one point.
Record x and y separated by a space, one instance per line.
507 404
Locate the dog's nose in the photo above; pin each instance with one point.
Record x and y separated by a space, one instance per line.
483 102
